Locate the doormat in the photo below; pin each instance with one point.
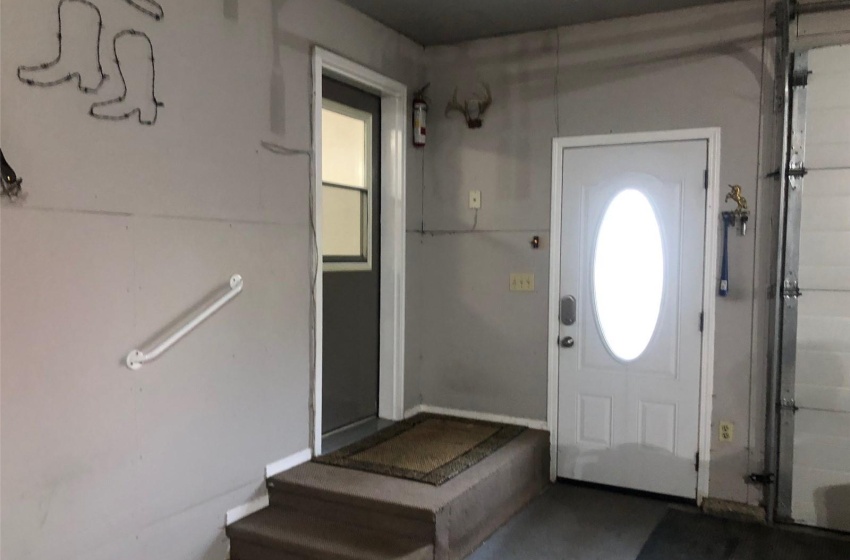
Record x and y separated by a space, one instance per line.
683 535
426 448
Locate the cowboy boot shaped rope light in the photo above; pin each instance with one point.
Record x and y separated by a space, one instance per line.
80 23
148 7
134 58
139 97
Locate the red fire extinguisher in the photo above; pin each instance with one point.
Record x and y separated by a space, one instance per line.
420 117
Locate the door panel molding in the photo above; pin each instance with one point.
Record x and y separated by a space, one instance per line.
709 299
394 119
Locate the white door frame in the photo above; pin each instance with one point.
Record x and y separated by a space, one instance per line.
393 226
712 136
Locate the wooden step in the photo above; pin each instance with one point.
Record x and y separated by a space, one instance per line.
279 534
454 518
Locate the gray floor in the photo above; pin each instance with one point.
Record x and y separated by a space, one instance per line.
575 523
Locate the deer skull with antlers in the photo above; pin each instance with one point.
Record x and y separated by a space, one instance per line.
472 109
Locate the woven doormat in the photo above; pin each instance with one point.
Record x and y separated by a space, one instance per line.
426 448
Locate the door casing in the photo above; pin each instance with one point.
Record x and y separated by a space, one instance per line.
712 136
394 118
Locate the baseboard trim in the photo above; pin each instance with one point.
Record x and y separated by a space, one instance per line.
243 511
262 502
487 417
290 462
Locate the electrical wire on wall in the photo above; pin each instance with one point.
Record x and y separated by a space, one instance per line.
557 82
316 257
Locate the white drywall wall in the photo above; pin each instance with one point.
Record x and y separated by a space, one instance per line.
128 227
483 347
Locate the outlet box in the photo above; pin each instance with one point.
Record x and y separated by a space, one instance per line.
727 431
522 282
475 200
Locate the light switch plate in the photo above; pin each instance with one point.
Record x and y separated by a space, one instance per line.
522 282
475 200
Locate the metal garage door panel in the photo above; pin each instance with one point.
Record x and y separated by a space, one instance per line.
823 353
821 479
828 116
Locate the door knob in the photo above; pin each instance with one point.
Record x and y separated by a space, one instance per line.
568 342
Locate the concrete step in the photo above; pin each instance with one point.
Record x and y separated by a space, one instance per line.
279 534
454 518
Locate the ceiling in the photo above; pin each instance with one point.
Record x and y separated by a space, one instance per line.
440 22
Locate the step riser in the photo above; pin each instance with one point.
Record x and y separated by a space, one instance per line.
472 518
242 550
395 521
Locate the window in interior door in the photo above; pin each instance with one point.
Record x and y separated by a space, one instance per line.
346 186
628 274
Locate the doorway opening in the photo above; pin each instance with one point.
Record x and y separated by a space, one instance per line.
631 313
351 234
359 138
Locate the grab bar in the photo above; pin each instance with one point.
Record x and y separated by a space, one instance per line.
136 359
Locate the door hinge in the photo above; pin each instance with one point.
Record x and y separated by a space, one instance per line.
762 478
701 321
705 181
696 462
788 404
791 290
797 172
801 78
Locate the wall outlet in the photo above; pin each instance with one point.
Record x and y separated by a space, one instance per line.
474 200
727 431
522 282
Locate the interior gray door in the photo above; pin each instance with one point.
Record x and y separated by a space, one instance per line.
351 309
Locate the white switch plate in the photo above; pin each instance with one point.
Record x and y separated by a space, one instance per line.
475 200
522 282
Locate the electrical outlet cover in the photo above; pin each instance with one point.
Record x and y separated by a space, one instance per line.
475 200
727 431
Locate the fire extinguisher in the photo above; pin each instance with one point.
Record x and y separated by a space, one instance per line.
420 117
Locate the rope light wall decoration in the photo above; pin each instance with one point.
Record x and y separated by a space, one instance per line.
117 109
60 70
49 74
148 7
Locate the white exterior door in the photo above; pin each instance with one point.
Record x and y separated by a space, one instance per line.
632 251
821 481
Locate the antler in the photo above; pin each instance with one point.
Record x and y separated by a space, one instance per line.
454 105
473 119
484 104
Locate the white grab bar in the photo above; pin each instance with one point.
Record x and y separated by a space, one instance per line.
136 359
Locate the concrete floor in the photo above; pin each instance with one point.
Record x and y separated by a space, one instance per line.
575 523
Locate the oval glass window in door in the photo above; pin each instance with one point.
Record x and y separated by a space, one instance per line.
628 274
